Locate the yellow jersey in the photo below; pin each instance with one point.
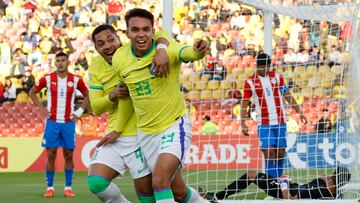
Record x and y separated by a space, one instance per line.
158 102
102 81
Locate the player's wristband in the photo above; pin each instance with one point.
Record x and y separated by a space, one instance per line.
79 112
161 46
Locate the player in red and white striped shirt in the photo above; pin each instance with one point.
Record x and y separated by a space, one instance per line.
268 90
60 124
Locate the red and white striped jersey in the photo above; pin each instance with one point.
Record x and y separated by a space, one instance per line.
61 94
267 96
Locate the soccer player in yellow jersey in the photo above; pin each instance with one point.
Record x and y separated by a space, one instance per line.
116 153
164 126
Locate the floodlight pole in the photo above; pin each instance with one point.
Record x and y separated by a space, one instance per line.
268 19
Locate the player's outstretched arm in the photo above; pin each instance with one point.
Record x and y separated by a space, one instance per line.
197 52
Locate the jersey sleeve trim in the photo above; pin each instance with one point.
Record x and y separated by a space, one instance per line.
181 50
95 87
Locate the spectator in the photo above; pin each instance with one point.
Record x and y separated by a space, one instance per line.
290 57
334 57
28 81
5 50
10 91
209 128
82 61
292 125
324 124
315 56
219 71
113 11
302 58
35 57
18 68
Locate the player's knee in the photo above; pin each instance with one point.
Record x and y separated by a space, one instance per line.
179 195
97 184
159 183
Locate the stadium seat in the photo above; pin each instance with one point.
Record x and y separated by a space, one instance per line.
193 95
213 85
205 77
194 78
299 70
314 82
188 85
218 94
225 85
337 69
206 95
200 85
324 69
184 78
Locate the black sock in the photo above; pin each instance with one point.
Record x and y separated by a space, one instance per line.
234 187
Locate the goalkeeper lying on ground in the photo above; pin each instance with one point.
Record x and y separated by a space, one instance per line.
323 187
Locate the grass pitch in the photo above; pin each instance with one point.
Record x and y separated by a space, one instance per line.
29 187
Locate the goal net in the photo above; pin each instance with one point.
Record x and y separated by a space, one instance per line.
314 46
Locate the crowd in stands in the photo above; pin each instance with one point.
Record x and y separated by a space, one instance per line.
32 31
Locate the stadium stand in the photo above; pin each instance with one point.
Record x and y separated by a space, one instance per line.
31 32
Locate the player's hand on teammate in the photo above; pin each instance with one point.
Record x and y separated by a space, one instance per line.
160 63
201 46
120 91
108 139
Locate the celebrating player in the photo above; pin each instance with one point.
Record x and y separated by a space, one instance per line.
60 124
324 187
116 153
162 120
267 89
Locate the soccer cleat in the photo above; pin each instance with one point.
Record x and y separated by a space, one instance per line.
69 193
49 193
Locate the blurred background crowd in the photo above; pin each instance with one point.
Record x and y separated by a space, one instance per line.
33 31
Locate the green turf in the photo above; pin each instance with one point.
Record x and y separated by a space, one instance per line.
29 187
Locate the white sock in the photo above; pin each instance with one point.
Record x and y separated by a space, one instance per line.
112 194
195 197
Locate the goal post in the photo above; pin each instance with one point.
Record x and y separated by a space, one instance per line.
315 47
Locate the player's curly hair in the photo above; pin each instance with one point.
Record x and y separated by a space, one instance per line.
263 60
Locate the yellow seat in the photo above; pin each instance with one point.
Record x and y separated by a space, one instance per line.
306 92
249 72
319 92
324 69
311 71
314 82
299 70
193 95
225 85
240 84
218 94
206 95
200 85
337 69
194 77
188 85
213 85
205 77
22 97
